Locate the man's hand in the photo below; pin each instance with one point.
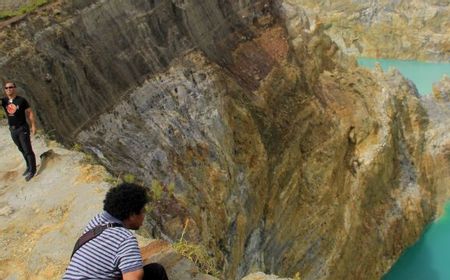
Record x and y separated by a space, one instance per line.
33 130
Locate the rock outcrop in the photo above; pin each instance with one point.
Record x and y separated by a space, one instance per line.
386 29
282 154
438 140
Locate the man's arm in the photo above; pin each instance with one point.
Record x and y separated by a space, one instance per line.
32 121
133 275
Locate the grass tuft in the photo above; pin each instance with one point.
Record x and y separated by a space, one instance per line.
25 9
157 190
129 178
197 254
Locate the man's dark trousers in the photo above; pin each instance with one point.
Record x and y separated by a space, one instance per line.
21 137
154 271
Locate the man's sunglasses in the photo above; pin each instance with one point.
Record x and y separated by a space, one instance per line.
9 87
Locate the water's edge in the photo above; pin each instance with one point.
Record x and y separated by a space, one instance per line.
428 258
423 74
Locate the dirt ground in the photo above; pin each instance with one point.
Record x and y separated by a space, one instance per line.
41 219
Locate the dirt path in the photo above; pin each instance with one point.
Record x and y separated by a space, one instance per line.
41 219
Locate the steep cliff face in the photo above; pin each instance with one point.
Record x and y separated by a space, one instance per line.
302 164
386 29
438 140
77 66
281 153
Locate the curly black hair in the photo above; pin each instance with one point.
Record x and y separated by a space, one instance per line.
125 200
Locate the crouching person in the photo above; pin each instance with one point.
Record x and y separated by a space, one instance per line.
108 249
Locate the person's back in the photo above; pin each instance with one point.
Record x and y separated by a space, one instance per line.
108 249
113 252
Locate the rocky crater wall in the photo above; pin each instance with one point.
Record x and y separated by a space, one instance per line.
303 166
76 59
416 30
282 154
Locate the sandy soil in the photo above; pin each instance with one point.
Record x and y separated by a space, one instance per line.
41 219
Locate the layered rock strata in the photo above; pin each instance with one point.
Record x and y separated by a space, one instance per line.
76 59
386 29
276 150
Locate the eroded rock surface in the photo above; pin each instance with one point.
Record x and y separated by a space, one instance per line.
304 167
386 29
283 155
438 139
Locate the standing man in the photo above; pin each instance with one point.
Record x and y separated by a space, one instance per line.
108 249
18 111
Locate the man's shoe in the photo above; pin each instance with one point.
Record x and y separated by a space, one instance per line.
26 172
29 176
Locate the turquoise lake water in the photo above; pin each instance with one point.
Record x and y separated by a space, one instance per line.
429 258
423 74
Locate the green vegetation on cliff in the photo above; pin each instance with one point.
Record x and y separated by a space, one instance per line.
23 9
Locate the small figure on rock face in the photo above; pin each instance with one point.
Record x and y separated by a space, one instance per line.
108 249
18 111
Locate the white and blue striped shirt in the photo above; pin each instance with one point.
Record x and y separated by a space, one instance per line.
114 252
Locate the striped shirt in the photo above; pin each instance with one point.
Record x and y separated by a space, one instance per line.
114 252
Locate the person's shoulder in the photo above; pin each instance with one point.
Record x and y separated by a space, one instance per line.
23 99
20 99
123 231
95 221
120 233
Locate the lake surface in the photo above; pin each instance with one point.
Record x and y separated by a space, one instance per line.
429 258
423 74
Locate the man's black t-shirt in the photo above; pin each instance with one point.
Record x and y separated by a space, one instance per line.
15 110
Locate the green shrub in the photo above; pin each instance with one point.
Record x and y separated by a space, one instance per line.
157 190
77 147
128 178
112 180
89 159
171 188
25 9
